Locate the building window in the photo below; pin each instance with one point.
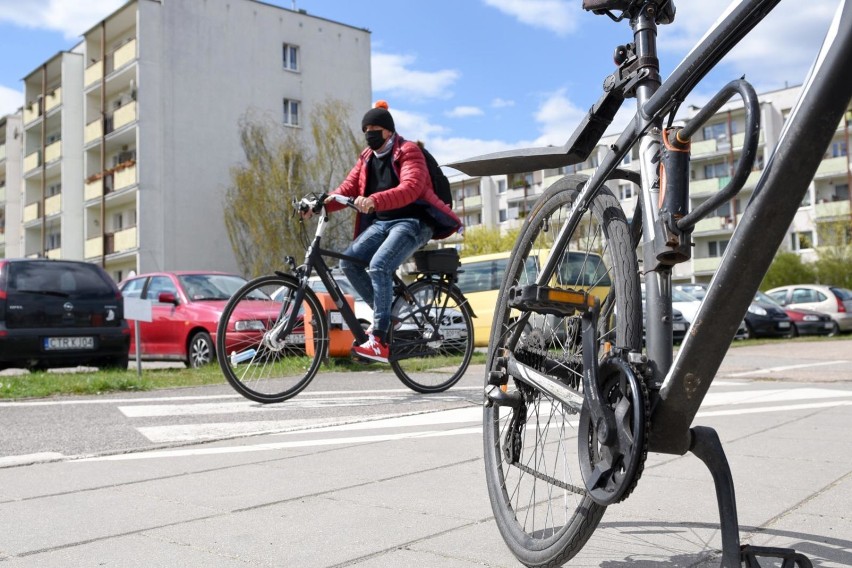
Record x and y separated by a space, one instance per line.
54 241
626 159
841 192
291 57
504 215
626 191
471 191
838 149
501 186
717 131
720 169
717 248
291 112
801 240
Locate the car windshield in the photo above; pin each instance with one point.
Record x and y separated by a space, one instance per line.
679 296
200 287
346 286
763 298
57 278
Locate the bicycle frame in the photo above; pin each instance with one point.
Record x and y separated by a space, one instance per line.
679 385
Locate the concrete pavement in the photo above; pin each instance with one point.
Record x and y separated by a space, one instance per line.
411 492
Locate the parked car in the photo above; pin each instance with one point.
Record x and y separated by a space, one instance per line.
186 307
831 300
809 322
60 313
687 298
363 310
766 318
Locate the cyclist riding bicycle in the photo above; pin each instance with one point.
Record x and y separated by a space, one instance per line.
398 212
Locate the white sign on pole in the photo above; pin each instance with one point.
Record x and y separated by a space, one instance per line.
137 309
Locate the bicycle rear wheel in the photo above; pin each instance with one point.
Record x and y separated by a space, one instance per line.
531 451
432 336
258 363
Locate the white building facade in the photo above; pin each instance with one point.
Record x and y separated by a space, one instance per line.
129 138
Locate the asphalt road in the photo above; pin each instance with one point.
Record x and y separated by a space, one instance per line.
358 471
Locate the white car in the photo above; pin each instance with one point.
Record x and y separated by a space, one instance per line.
363 311
831 300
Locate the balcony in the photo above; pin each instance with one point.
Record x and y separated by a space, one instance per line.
706 264
832 209
739 138
832 167
126 176
54 254
473 202
53 205
124 115
714 225
94 247
2 152
31 212
53 152
33 111
32 161
53 99
94 188
94 73
703 147
124 54
94 130
123 240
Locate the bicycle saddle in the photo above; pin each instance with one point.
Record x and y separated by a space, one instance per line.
665 8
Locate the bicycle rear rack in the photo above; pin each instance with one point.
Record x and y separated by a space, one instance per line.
707 446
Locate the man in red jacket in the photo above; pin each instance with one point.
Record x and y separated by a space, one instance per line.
399 212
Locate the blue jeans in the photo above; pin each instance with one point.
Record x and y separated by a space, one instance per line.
385 245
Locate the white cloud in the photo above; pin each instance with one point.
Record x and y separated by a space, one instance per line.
464 111
779 49
558 117
415 126
555 15
502 103
10 100
392 73
69 18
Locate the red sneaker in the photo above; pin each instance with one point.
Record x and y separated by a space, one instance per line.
372 349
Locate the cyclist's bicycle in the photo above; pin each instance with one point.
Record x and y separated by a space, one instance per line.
570 417
274 332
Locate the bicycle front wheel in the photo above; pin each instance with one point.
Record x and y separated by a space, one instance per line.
432 336
531 450
259 362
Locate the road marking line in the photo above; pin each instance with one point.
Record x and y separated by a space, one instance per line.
30 458
200 432
209 397
785 368
345 440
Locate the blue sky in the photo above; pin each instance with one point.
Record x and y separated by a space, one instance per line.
473 76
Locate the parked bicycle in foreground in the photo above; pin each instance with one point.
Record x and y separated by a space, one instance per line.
275 333
568 422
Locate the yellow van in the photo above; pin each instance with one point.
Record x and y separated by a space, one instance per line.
480 278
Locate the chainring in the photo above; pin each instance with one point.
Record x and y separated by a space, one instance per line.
612 472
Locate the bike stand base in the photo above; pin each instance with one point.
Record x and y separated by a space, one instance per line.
707 446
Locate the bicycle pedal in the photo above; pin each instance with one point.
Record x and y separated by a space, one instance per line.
550 301
750 556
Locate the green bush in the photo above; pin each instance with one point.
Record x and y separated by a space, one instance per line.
788 268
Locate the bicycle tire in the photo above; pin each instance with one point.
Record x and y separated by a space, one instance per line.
262 369
546 520
423 364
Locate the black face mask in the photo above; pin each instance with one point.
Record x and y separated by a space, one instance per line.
375 140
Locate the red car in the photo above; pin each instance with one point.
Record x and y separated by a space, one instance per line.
185 313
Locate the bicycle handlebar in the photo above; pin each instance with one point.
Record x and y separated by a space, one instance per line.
316 203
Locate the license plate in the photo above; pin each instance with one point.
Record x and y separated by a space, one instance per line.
452 333
295 339
335 317
678 326
68 343
783 324
829 325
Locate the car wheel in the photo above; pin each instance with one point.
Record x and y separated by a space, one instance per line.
200 351
835 329
794 332
749 332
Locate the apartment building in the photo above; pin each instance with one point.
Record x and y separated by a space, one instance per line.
129 137
715 151
11 137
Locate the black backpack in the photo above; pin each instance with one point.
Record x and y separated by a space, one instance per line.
440 183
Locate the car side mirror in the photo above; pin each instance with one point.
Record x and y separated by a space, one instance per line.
167 298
